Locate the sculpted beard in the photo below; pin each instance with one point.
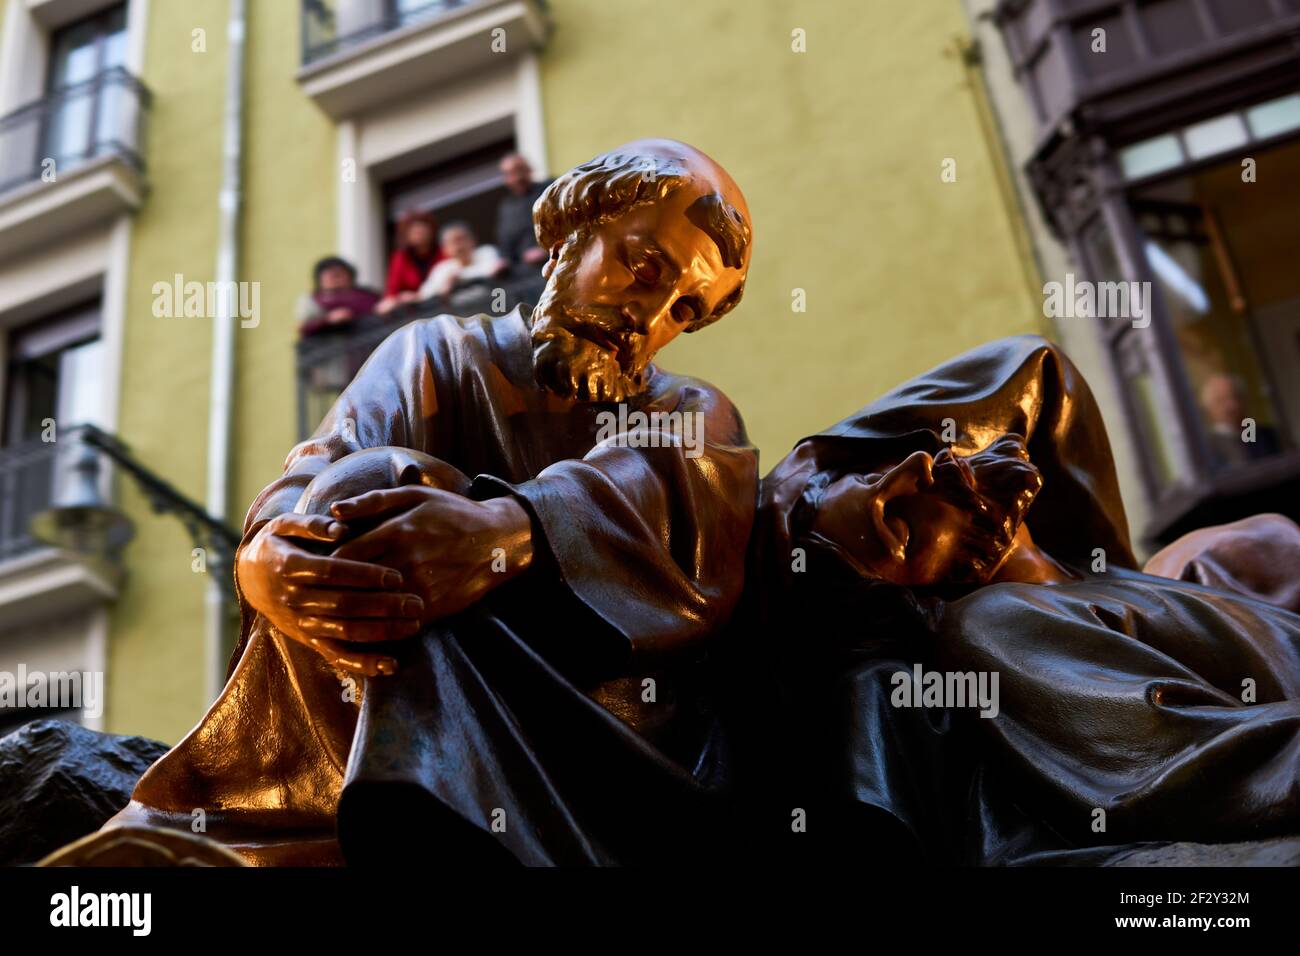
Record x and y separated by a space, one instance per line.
571 365
995 487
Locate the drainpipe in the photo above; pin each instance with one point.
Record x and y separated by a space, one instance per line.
220 405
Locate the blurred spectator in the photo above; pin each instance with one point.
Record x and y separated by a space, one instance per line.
515 236
335 298
414 258
1223 399
463 262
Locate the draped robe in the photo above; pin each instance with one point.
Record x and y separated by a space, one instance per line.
559 720
1121 692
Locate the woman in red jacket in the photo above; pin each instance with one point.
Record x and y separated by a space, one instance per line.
417 253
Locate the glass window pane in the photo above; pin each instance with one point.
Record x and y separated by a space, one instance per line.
81 384
1274 117
68 135
1160 453
1151 156
79 54
1215 136
1205 269
75 57
1148 420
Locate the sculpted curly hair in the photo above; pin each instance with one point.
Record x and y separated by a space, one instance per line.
612 184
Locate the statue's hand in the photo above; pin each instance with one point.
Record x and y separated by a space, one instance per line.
450 550
333 606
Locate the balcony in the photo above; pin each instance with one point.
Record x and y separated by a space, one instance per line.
1127 68
363 54
26 487
71 160
327 361
35 578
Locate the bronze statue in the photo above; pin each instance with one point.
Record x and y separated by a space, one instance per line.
1256 556
969 525
488 607
473 616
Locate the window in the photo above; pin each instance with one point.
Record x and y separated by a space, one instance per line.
1211 137
86 107
465 189
1221 255
54 375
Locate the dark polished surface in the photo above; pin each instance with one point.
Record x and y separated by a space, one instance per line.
1122 711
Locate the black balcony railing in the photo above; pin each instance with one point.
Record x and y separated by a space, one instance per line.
26 487
333 26
101 116
32 473
328 360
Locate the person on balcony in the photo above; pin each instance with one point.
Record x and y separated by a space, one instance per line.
416 254
464 263
335 299
515 236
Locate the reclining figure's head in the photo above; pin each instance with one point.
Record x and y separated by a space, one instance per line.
647 241
932 520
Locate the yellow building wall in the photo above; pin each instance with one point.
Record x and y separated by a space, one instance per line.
838 151
155 660
292 172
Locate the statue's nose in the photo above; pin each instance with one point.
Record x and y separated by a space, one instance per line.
635 318
920 466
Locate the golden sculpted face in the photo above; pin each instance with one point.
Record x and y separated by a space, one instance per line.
646 242
932 520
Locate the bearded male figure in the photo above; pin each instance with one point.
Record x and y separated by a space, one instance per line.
472 631
968 525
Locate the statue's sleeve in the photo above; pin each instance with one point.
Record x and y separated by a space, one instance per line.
652 539
391 401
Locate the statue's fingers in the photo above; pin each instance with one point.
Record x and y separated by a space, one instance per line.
365 547
312 527
358 630
330 602
351 659
332 571
380 502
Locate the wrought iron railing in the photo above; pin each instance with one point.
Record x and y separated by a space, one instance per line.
98 117
328 360
31 476
333 26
